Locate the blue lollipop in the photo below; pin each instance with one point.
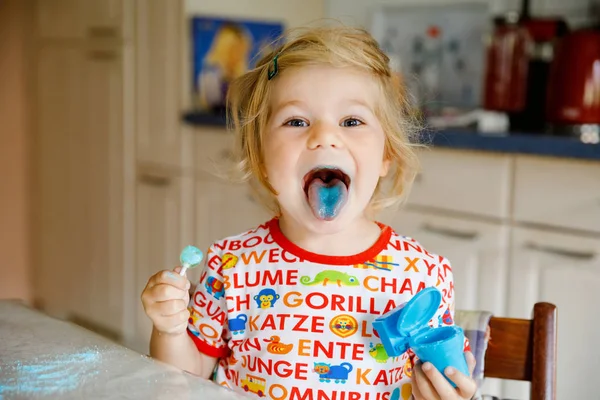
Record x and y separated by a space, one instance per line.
190 257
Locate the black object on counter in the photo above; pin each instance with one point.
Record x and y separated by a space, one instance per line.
517 67
205 119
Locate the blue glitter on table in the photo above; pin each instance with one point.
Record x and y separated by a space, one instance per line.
44 358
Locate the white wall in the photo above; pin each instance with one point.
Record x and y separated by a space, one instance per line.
358 12
291 12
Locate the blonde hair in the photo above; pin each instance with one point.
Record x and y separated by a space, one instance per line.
340 46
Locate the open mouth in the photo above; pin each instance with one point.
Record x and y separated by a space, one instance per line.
328 175
326 191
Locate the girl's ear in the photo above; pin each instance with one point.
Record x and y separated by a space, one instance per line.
385 167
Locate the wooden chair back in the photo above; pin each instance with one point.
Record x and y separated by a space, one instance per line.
525 350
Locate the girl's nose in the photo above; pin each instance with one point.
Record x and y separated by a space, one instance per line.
324 136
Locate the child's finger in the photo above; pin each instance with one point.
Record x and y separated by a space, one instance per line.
465 385
471 362
174 279
425 388
416 392
168 278
164 292
170 307
440 384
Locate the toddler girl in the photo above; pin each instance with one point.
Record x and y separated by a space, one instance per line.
285 310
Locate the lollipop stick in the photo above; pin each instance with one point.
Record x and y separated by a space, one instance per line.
184 268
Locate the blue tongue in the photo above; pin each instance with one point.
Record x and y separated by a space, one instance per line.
327 200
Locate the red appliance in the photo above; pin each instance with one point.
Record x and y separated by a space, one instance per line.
507 66
518 65
574 86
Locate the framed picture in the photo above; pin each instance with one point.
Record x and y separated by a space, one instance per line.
223 49
438 50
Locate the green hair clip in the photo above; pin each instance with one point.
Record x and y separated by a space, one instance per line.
275 69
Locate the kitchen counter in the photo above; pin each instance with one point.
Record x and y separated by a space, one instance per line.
539 145
43 358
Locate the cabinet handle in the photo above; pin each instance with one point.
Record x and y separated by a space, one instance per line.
103 55
102 31
451 233
155 180
575 254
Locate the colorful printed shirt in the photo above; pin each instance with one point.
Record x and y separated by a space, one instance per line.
290 324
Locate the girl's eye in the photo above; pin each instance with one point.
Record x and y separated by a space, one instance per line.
298 123
351 122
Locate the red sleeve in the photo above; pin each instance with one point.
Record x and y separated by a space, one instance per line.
207 349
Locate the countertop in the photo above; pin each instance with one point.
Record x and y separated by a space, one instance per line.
44 358
532 144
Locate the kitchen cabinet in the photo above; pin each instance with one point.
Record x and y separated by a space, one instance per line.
81 138
563 269
224 209
59 76
158 236
92 19
107 18
101 158
59 19
446 182
477 251
213 148
104 222
538 241
158 47
537 197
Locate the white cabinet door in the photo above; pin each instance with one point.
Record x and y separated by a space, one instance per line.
576 206
478 252
58 123
59 19
239 210
102 157
224 209
76 19
108 19
158 76
564 270
82 136
448 175
159 235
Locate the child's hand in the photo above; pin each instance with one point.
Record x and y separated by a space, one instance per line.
429 384
165 301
